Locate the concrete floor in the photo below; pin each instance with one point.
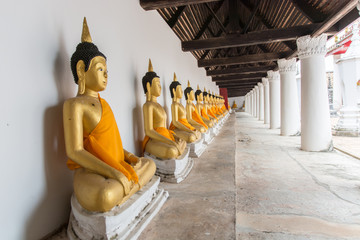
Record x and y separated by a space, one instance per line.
285 193
251 183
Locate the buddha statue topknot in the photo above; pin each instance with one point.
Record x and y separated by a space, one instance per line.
106 175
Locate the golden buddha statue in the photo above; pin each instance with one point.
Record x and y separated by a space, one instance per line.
106 175
179 123
234 105
215 106
208 106
192 114
159 141
202 109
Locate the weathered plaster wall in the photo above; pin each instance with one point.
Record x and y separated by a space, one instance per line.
239 101
38 38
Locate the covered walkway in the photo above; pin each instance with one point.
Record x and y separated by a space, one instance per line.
278 192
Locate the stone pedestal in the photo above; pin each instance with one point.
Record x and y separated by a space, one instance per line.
290 113
274 82
265 82
349 66
126 221
315 114
196 148
173 170
208 137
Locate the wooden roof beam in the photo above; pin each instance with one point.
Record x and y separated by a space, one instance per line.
230 71
159 4
238 80
252 38
308 11
173 20
240 76
335 17
253 58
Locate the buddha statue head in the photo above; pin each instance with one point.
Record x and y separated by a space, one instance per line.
151 83
198 94
175 89
88 64
189 93
206 96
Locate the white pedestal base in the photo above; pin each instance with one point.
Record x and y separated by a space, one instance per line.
208 137
126 221
197 148
215 129
349 122
173 170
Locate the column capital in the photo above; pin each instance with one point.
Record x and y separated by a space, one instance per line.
309 46
265 81
260 85
287 65
273 75
256 88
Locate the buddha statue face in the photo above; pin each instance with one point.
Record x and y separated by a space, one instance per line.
178 92
201 97
95 78
191 96
155 87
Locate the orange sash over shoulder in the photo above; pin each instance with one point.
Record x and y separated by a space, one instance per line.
162 131
223 108
184 122
203 114
196 116
211 114
105 143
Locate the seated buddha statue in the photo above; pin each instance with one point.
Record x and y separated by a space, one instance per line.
106 174
159 141
202 109
179 123
217 109
234 105
208 106
192 114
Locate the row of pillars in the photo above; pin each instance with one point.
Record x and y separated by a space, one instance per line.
274 101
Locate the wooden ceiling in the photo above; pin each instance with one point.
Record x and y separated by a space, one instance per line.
238 41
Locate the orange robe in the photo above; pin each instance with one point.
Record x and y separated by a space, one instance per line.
196 117
203 114
223 108
105 143
162 131
210 112
184 122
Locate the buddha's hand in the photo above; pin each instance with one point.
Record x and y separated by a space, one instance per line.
124 181
133 160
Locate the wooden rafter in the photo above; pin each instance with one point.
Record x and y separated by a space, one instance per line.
252 38
335 17
230 71
239 76
237 80
263 57
308 11
173 20
159 4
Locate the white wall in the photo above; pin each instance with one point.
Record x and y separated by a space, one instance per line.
37 41
239 101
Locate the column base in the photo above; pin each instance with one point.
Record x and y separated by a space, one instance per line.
173 170
126 221
349 123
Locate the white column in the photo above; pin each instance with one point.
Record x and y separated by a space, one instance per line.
274 84
315 115
290 114
261 101
257 101
265 82
254 103
349 66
